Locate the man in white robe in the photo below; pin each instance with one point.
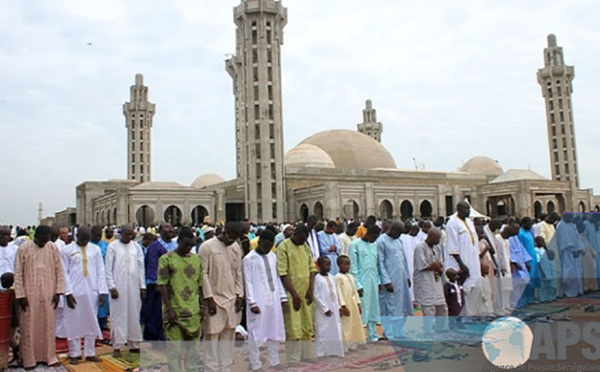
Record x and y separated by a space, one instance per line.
265 297
409 244
8 251
85 283
56 233
126 281
462 255
348 237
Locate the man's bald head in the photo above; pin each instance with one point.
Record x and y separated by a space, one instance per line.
83 236
463 209
396 229
434 235
4 235
54 232
127 234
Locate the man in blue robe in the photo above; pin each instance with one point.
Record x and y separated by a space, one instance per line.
526 238
592 233
519 262
329 245
570 247
152 304
365 270
394 299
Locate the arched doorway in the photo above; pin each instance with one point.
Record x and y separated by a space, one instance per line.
351 210
144 216
318 210
97 220
114 212
406 210
198 214
537 208
597 208
501 208
426 209
103 219
550 207
581 207
386 210
173 215
304 212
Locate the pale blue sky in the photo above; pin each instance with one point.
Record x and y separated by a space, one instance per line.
449 80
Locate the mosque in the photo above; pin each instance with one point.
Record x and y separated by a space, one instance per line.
327 174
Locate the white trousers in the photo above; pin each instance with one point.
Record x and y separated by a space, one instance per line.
471 301
272 350
218 350
88 347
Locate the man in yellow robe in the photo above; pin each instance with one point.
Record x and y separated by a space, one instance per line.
297 271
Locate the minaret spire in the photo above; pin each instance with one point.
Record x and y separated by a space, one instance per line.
139 113
370 126
256 73
556 79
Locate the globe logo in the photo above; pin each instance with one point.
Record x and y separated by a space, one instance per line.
507 342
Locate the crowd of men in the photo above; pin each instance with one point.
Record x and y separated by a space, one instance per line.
322 287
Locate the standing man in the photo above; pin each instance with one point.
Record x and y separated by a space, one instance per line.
96 239
329 245
8 251
56 232
151 306
570 247
39 282
265 298
313 240
520 265
364 259
127 286
526 237
85 286
223 289
394 298
179 281
296 267
348 237
462 255
429 289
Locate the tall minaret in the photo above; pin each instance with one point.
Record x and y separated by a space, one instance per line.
138 121
556 79
370 126
256 73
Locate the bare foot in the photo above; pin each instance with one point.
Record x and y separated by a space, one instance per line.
93 359
117 354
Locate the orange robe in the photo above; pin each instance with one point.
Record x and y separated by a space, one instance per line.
38 277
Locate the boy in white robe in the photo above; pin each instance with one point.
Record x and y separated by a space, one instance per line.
85 283
126 280
265 298
328 331
486 307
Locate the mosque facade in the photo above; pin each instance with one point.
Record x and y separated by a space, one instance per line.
327 174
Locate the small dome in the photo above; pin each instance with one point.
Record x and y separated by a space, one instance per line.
482 165
207 180
305 155
352 150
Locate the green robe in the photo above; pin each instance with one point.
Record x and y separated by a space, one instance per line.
183 277
297 263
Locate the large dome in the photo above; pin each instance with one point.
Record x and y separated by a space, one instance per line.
207 180
352 150
306 155
482 165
